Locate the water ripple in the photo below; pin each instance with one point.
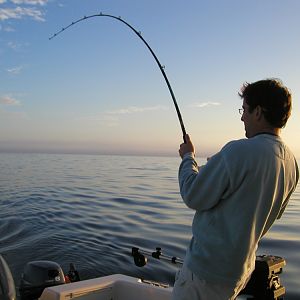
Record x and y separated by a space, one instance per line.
90 210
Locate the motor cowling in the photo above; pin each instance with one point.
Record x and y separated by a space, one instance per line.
37 276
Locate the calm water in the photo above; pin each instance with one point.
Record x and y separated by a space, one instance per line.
90 210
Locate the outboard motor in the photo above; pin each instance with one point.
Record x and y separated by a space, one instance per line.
37 276
7 285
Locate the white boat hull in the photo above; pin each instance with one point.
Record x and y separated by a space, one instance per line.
113 287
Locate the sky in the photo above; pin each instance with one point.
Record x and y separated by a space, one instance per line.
96 88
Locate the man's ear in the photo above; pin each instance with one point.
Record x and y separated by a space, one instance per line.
259 112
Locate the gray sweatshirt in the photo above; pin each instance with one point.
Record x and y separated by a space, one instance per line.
237 196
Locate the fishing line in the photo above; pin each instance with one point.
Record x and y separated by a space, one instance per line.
138 33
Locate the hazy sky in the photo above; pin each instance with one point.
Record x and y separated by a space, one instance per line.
96 88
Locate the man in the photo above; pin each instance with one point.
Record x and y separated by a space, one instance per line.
237 196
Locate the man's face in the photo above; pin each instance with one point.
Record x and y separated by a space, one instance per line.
249 120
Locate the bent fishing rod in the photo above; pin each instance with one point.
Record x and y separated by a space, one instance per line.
138 33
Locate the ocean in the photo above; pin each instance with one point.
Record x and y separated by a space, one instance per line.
92 209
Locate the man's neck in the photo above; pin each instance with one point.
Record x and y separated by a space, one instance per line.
272 131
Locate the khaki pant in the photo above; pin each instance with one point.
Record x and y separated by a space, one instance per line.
189 287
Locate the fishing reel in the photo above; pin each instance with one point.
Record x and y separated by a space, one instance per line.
140 256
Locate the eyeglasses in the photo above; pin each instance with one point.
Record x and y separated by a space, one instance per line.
241 111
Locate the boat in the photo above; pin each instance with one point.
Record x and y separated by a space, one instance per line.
45 280
117 287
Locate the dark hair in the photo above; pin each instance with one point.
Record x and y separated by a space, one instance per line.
272 96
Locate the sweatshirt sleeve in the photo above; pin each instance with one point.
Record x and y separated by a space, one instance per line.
203 188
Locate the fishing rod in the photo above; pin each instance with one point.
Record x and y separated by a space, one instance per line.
138 33
140 256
